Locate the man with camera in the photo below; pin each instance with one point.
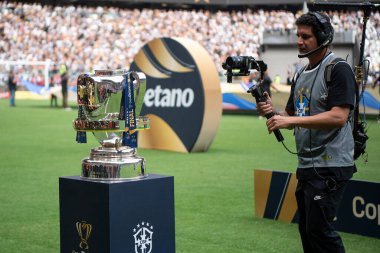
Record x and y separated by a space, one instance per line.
320 114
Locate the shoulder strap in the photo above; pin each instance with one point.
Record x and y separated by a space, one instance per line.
297 74
328 78
329 68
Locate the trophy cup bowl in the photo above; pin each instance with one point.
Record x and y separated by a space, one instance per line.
109 106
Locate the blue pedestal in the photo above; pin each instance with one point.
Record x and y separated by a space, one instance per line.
117 217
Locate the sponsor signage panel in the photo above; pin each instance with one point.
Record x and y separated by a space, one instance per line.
359 212
183 98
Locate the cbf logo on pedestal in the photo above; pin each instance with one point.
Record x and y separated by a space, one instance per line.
143 234
183 99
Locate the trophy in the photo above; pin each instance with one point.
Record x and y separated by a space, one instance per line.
109 106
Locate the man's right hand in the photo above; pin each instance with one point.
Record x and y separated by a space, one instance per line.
265 107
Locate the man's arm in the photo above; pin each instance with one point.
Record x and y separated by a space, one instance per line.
334 118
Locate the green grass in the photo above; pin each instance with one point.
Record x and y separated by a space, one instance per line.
213 191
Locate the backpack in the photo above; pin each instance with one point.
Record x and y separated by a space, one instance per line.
359 131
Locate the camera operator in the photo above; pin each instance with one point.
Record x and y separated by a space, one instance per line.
320 115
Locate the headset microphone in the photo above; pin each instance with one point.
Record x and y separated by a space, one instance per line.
324 44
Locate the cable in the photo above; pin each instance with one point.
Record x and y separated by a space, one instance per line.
311 94
291 152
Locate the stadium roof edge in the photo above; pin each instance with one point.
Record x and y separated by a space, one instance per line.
186 2
210 5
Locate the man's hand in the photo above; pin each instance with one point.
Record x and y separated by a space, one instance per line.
278 122
265 107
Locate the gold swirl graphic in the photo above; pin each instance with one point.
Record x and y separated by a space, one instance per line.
213 94
262 179
164 56
146 66
289 209
160 136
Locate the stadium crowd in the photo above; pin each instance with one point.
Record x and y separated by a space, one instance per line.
86 38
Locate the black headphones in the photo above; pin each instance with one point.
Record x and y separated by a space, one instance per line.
325 36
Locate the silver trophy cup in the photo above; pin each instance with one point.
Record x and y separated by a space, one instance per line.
109 106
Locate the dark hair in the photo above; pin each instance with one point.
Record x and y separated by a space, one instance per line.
320 24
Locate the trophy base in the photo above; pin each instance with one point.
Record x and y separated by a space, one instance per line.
113 164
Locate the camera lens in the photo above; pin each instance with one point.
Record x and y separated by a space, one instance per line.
235 61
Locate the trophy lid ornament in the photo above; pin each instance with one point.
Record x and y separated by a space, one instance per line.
109 106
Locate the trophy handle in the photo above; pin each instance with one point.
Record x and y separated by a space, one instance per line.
139 85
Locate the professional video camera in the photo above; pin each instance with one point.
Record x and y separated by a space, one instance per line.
241 66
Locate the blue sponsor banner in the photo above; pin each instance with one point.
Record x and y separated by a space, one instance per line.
234 102
359 212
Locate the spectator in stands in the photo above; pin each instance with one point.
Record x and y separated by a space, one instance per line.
325 146
12 84
34 32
